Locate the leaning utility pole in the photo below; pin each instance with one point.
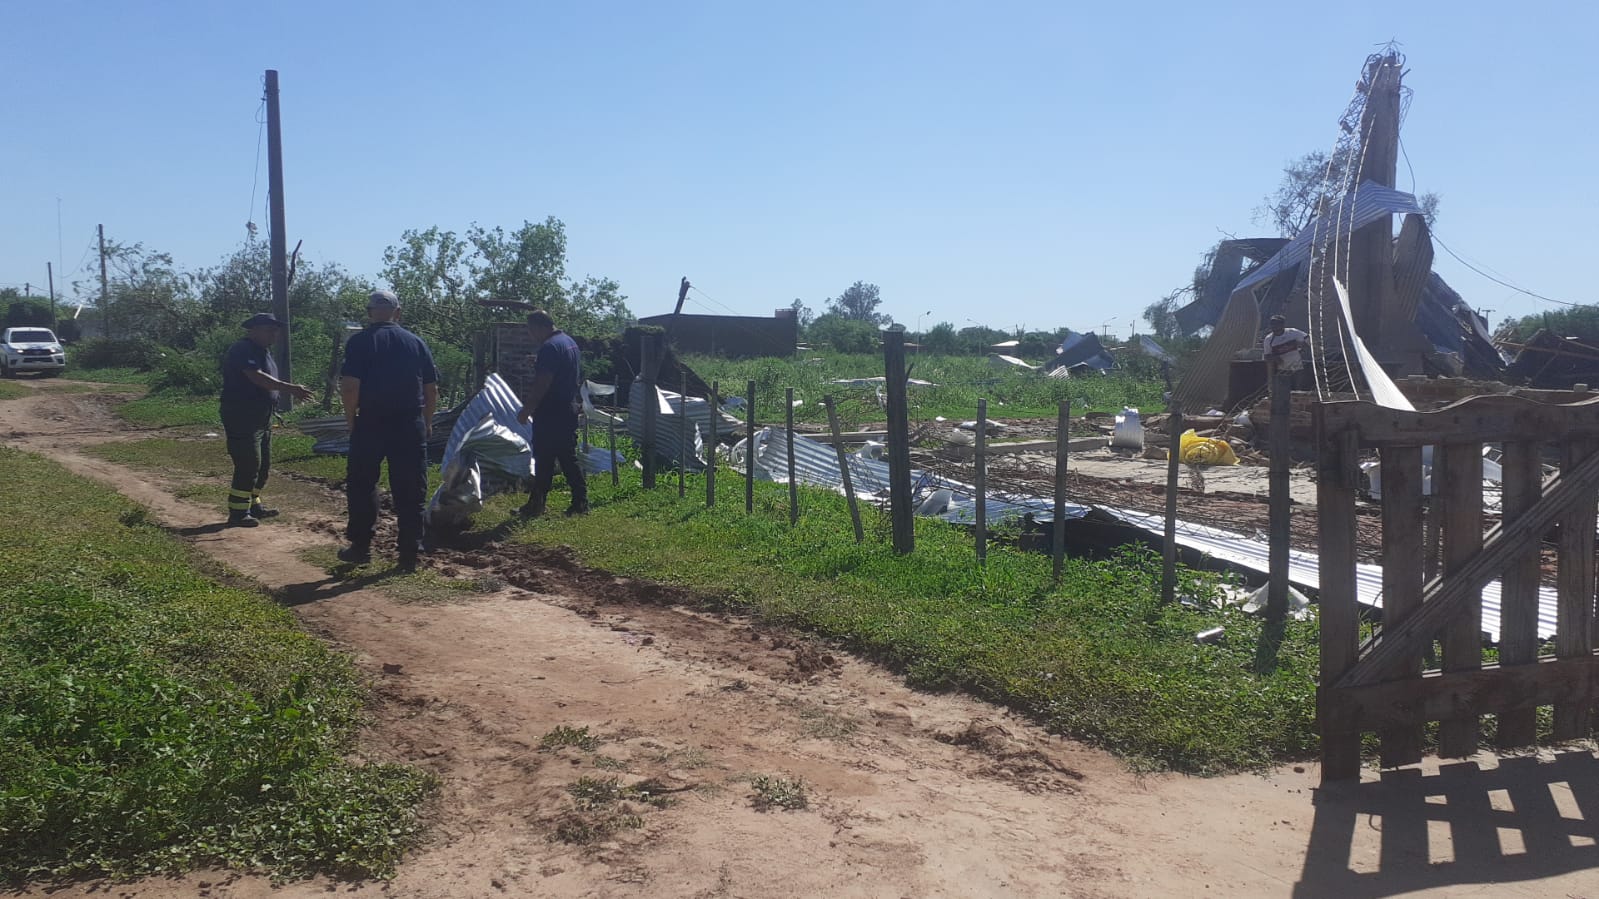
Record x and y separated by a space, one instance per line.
105 303
279 248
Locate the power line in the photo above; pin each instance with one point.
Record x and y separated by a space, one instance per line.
1501 282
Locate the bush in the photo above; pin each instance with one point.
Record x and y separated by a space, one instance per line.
104 352
187 373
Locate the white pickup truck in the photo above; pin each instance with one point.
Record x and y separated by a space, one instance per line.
30 349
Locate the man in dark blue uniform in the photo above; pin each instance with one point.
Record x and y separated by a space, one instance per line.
553 405
250 388
390 389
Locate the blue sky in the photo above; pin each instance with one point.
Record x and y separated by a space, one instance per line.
1014 164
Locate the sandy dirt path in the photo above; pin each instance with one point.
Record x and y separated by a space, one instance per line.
910 794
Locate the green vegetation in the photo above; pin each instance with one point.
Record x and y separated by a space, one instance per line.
772 791
1098 658
961 380
152 720
9 391
567 735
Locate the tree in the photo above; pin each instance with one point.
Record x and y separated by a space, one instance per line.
802 314
1581 322
859 303
1308 187
941 338
844 335
147 297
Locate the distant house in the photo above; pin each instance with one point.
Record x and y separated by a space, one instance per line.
733 336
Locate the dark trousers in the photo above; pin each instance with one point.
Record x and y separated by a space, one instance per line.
401 440
249 438
555 444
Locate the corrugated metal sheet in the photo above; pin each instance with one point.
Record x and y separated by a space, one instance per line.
496 399
817 463
1371 202
669 442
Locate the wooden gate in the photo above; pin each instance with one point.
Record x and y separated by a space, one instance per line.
1378 684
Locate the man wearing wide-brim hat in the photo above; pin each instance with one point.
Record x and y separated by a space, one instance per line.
250 388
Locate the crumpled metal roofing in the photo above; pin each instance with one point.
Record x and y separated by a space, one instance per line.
817 463
1371 201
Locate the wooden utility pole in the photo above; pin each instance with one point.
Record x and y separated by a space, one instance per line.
50 272
899 447
279 242
105 290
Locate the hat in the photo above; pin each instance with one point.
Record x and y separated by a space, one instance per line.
1277 318
382 299
261 319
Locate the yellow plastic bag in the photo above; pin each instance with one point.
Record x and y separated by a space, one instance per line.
1197 450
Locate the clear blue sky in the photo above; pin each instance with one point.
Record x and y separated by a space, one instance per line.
1037 164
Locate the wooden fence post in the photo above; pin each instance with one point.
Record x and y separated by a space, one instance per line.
1277 480
652 406
1518 589
1575 585
1062 446
710 456
981 478
1403 536
616 470
843 468
788 438
899 447
682 436
749 450
1168 569
1461 468
1340 616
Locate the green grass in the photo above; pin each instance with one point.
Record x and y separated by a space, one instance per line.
10 391
168 409
961 380
106 375
152 720
1098 658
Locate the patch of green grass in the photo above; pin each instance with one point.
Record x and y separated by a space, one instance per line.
168 409
960 380
106 375
198 456
567 735
10 391
421 586
153 720
773 791
1097 657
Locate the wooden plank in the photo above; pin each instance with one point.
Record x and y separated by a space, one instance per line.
1518 588
1336 480
1485 419
1438 694
843 470
1402 544
1576 484
1575 583
1457 478
1052 446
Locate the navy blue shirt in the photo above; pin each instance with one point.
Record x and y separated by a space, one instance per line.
392 365
560 358
237 390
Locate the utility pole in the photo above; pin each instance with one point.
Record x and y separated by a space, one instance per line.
50 272
105 302
279 247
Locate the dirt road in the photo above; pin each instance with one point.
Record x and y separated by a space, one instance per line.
909 794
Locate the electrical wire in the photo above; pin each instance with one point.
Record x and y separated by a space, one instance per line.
1501 282
255 184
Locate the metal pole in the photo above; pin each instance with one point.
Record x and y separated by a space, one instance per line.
1277 549
279 248
710 454
981 481
50 271
788 437
843 468
899 449
1062 444
749 451
1168 571
105 291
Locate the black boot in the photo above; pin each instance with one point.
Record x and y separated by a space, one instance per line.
534 506
239 518
355 555
259 511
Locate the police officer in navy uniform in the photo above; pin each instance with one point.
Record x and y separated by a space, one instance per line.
553 406
250 388
390 389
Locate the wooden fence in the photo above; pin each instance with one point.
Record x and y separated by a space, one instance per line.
1379 685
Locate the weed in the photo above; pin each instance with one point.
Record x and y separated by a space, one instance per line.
774 791
13 391
822 723
566 735
153 720
606 763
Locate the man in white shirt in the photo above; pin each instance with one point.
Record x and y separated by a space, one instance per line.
1281 347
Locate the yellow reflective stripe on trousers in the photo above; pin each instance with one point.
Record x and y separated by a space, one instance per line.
238 500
